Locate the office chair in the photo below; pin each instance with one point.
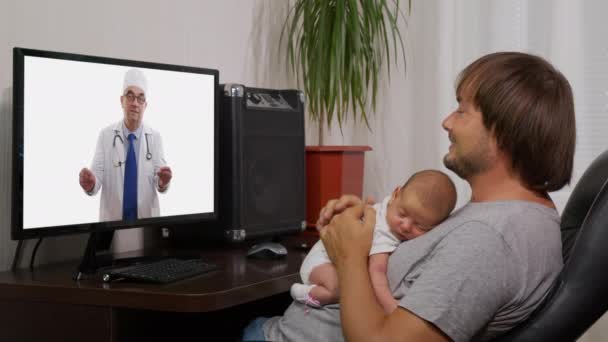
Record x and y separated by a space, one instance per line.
579 295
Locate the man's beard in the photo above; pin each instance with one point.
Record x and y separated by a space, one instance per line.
471 164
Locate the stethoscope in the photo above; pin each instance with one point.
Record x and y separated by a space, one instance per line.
119 136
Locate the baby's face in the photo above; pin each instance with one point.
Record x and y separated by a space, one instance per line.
407 218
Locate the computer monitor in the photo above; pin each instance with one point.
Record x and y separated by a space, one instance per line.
76 168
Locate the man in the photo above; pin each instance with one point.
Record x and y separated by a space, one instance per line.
129 164
491 263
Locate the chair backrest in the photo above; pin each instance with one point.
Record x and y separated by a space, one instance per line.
580 293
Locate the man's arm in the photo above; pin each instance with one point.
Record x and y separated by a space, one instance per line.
377 274
363 318
347 239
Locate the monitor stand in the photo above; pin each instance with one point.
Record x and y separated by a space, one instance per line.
97 243
97 254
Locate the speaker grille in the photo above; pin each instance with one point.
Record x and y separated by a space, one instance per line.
273 178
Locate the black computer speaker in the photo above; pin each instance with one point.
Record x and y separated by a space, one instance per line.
262 156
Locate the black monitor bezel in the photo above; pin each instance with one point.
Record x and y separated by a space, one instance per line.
17 230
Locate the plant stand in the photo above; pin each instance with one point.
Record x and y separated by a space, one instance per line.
331 171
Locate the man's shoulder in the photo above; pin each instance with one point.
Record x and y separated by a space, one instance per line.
509 221
504 215
147 129
111 128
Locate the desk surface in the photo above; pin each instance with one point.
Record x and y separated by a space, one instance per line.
238 280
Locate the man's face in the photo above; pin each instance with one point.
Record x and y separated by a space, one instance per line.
134 104
473 147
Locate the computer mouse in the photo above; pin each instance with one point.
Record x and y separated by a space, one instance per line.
267 250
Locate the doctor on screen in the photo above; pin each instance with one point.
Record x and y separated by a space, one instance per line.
129 164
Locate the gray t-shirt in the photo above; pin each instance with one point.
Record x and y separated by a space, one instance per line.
475 276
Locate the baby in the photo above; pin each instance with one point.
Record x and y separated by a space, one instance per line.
424 201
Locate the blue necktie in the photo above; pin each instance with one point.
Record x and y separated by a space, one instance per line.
129 198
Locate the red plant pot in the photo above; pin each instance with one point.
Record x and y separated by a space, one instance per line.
330 172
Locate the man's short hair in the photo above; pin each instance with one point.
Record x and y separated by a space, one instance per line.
528 105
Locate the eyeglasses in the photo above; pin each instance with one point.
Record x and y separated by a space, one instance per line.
141 99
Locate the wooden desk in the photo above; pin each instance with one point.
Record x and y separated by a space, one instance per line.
47 305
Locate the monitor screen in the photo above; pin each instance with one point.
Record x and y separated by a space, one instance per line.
103 143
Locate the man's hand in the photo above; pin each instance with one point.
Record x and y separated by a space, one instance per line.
336 206
164 176
349 234
87 179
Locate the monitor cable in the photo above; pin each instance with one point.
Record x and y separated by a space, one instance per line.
17 256
33 257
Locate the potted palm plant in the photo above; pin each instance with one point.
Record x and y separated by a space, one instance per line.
337 49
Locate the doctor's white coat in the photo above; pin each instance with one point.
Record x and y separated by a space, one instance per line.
109 169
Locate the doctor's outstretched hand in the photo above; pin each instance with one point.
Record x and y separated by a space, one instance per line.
348 236
87 179
164 177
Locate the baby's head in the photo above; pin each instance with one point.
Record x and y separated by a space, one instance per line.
424 201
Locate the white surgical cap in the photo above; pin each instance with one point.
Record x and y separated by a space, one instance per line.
135 78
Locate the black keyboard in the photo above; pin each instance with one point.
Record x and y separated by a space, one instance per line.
162 271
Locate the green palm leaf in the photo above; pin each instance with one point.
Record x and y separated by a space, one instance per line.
336 48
